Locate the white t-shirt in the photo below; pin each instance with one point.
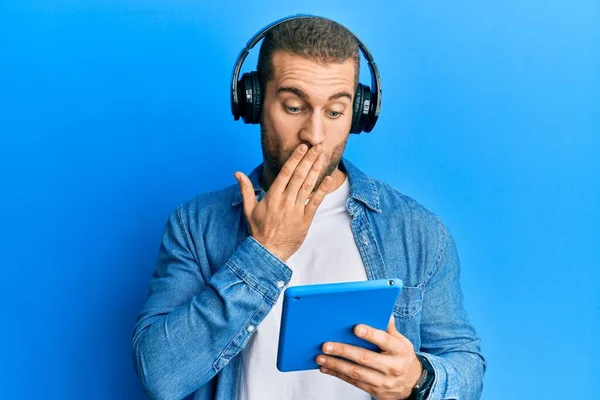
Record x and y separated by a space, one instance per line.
327 255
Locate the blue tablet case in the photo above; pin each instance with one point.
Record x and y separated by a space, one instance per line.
315 314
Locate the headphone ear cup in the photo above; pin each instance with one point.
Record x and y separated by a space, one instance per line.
257 98
357 109
249 98
244 96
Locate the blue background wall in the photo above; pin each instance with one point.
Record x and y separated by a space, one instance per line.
112 113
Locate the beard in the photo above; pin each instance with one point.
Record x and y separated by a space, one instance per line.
276 156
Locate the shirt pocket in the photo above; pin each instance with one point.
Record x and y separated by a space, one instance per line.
409 302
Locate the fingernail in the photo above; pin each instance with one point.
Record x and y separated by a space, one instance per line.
302 148
361 330
321 360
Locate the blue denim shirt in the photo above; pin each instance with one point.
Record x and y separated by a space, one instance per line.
212 280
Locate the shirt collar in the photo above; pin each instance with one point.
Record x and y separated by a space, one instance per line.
362 187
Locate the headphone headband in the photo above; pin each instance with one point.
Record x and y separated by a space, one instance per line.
375 95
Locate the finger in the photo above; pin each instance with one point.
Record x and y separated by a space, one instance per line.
391 329
302 170
356 372
382 339
359 355
286 172
310 181
247 190
311 207
361 385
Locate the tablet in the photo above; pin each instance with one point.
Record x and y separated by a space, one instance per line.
315 314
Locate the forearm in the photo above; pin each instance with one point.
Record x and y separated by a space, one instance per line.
178 350
458 373
448 339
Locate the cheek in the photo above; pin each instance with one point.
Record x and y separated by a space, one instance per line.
286 126
343 127
279 132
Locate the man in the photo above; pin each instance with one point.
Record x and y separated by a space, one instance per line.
305 215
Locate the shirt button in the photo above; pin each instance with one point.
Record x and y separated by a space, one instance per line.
250 328
280 284
365 240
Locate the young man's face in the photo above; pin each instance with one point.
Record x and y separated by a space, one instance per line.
309 103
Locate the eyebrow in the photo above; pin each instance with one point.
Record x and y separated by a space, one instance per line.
304 96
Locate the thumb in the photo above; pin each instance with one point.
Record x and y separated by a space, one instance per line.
391 329
247 191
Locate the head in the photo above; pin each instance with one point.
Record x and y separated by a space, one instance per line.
309 71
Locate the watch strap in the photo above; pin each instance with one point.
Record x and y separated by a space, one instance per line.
423 386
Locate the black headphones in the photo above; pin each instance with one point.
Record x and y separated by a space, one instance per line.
246 96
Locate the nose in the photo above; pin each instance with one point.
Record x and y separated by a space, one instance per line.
313 130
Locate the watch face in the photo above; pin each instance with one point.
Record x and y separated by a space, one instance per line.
422 379
421 389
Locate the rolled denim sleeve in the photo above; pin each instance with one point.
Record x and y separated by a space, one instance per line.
192 324
448 339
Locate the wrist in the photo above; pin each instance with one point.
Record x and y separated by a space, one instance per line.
417 368
422 387
416 372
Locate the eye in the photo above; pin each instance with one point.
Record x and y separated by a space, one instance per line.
335 114
293 110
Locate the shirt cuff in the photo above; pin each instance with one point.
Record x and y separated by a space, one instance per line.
438 388
260 268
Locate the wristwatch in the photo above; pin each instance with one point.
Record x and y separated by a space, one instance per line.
421 389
